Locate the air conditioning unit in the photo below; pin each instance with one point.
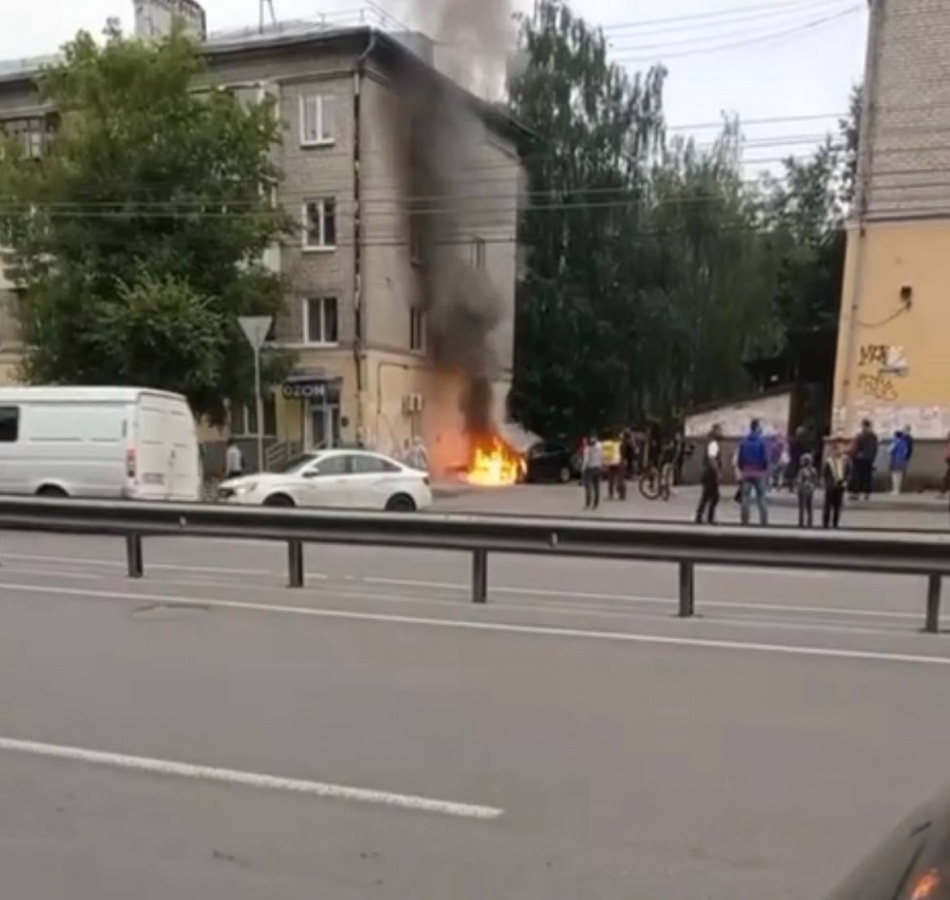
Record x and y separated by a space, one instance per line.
412 403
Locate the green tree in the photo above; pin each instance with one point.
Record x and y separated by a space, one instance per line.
597 131
137 238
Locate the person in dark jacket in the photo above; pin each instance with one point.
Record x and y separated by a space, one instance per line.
712 465
752 466
863 455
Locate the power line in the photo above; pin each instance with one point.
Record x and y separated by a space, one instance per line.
750 23
692 17
778 35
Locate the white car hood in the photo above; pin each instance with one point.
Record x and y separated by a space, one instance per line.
246 480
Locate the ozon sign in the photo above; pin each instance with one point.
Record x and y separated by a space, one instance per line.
311 391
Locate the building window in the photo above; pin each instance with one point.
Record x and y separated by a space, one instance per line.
320 321
243 418
417 329
478 253
319 224
30 134
317 120
9 424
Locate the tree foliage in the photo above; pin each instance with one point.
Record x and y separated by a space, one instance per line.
655 269
137 237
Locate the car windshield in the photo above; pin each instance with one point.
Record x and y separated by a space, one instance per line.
296 464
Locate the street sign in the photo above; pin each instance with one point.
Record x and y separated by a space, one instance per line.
256 329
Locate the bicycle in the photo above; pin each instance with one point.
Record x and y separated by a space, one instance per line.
656 483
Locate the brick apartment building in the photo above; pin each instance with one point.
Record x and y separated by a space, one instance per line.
351 314
893 358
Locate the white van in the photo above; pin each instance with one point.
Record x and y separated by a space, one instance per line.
98 442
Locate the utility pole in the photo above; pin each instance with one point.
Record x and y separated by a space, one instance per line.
269 4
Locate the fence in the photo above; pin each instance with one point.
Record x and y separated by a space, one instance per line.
685 546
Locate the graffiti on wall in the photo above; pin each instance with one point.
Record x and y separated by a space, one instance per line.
879 366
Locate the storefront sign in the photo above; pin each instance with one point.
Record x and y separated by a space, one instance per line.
311 390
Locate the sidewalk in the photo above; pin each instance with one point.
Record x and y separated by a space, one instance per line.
917 502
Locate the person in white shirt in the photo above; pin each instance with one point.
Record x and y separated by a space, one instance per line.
234 461
592 465
712 467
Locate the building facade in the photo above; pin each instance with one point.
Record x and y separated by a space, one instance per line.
893 355
352 315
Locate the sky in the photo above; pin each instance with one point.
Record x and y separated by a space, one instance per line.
789 62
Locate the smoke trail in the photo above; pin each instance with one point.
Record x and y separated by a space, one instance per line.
441 174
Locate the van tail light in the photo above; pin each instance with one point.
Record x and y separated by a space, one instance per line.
130 462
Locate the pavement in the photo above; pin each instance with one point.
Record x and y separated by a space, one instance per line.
207 732
913 511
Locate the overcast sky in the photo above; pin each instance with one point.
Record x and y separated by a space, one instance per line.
769 59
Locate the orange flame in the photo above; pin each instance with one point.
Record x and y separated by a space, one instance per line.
494 463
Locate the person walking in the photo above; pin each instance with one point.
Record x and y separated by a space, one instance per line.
899 458
234 460
709 499
836 473
752 463
797 448
806 482
612 467
591 469
863 456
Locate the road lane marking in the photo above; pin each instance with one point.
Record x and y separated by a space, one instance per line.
496 627
498 589
665 601
250 779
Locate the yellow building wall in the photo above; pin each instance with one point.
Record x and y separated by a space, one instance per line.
893 360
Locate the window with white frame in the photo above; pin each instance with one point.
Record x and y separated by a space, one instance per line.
478 253
417 329
319 224
317 120
320 321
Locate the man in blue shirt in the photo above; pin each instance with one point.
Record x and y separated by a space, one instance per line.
752 466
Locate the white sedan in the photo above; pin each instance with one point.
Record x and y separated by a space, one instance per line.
353 479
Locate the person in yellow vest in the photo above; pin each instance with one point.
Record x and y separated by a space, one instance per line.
613 463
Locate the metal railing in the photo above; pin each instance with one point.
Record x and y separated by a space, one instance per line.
686 546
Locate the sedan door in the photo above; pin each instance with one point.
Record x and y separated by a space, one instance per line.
373 480
326 482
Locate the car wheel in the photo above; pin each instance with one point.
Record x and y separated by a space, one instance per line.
50 490
279 500
401 503
564 475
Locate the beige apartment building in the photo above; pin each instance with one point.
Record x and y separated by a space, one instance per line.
352 313
893 360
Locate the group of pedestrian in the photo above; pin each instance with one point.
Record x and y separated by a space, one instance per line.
754 463
610 458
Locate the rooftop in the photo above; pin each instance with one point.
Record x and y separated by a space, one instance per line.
391 37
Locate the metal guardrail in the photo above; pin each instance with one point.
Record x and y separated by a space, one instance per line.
684 545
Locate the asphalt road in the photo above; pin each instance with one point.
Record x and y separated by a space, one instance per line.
208 733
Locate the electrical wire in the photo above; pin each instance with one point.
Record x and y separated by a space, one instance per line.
787 34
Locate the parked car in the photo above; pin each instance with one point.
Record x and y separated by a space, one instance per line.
912 863
551 461
98 442
353 479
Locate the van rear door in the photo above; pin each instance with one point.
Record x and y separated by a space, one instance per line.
149 454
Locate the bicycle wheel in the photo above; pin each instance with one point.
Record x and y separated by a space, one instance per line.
650 484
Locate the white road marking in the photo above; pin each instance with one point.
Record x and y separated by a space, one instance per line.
496 627
164 567
665 601
250 779
460 587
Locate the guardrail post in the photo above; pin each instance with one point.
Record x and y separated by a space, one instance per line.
133 554
687 589
479 576
934 584
295 563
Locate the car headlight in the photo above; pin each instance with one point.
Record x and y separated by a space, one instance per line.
245 489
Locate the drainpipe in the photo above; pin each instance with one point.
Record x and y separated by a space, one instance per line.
868 109
359 343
